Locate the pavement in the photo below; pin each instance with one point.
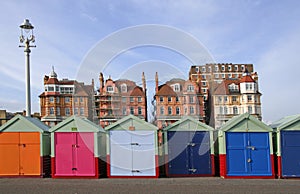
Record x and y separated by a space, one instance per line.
160 185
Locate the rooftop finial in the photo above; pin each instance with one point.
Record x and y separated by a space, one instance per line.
53 74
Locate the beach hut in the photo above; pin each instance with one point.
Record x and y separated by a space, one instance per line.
189 148
24 147
77 147
132 149
245 148
287 146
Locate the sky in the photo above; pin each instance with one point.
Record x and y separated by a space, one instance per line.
264 33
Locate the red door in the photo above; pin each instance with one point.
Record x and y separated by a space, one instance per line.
74 154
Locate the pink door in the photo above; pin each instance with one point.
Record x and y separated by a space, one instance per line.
75 154
85 161
64 153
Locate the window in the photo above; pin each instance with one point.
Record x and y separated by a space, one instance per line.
219 99
161 98
57 99
249 86
176 87
169 99
216 68
249 98
131 99
209 69
225 98
203 69
57 111
203 76
123 88
229 68
197 69
76 111
109 89
235 110
177 110
250 109
177 99
217 75
234 99
190 88
51 89
139 99
236 68
191 99
57 88
221 110
51 99
225 110
67 111
229 75
223 68
139 110
243 67
204 90
132 110
162 110
223 75
124 112
51 110
67 99
203 83
81 111
81 99
124 99
192 111
169 110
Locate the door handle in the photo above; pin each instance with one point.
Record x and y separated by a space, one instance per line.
192 169
75 146
134 144
74 168
135 171
251 147
191 144
249 160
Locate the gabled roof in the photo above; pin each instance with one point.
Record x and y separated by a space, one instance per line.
245 122
165 90
81 125
188 124
223 89
247 78
131 120
20 123
291 122
137 91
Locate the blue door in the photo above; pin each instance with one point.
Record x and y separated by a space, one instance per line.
290 157
189 153
248 154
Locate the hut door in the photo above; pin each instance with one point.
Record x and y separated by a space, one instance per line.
143 153
290 149
188 153
20 153
74 154
199 150
248 154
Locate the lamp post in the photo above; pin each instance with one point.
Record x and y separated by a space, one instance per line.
25 38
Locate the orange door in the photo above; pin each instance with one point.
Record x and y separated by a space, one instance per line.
9 154
30 154
20 153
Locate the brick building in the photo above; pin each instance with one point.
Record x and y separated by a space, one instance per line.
177 98
117 99
233 97
63 98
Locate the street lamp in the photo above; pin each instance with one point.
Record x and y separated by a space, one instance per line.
25 38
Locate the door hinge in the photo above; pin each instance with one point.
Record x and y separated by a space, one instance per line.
135 171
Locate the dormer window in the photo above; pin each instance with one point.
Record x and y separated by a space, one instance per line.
236 68
223 68
176 87
233 88
109 89
229 68
123 88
